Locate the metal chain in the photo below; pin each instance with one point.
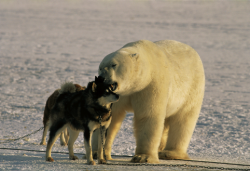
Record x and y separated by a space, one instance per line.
11 140
176 165
147 164
100 121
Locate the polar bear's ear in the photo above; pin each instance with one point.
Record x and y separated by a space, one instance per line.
134 55
93 87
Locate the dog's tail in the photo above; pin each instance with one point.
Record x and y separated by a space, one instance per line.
67 87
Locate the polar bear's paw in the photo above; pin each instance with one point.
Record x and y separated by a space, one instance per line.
102 161
91 163
108 157
172 155
144 158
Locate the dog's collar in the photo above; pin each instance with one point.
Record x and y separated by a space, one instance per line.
105 117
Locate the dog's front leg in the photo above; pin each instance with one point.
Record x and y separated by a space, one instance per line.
101 142
87 143
95 137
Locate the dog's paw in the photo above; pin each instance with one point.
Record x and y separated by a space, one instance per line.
73 158
102 161
63 144
91 163
50 159
43 143
144 158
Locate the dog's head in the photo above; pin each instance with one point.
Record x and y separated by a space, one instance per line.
103 92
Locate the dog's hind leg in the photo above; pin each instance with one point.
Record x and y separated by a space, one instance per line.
63 138
66 135
45 130
55 130
101 142
73 134
87 143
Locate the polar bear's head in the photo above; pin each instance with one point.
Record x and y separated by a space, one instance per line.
118 69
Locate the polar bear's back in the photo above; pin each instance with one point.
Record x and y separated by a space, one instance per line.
173 51
187 73
178 51
181 57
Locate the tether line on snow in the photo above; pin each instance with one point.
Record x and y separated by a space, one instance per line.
200 161
12 140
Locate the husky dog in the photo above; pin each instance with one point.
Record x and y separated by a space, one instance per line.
80 111
64 137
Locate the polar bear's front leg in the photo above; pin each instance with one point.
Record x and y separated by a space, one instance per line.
148 132
114 127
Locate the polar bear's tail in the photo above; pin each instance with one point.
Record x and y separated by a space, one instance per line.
67 87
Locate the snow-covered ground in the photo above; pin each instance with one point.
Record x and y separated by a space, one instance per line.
44 43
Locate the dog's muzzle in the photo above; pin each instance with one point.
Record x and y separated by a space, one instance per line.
112 86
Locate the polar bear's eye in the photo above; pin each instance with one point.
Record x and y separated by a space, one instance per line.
113 65
133 55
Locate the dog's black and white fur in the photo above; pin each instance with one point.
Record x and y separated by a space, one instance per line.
80 111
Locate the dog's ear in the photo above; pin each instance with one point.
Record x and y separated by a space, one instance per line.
99 79
93 87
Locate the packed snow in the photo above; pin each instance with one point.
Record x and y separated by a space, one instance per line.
45 43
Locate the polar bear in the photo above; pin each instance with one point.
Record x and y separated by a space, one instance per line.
163 84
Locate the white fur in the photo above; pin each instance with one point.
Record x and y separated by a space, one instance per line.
103 101
94 125
163 84
107 100
67 87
